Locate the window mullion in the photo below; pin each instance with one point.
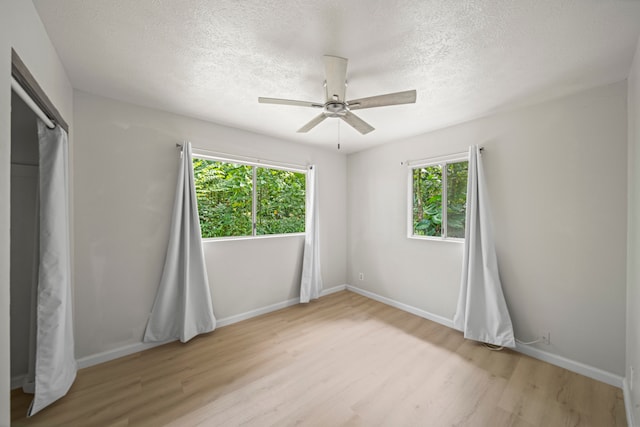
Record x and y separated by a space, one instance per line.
254 201
444 200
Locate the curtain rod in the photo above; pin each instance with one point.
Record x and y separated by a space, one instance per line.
30 103
437 158
246 159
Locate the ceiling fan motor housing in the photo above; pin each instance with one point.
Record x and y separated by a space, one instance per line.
335 109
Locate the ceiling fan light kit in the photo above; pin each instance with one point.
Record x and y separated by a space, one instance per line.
335 105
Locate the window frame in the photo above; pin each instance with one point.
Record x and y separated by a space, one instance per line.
254 194
441 161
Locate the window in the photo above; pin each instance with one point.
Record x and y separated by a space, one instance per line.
239 200
438 199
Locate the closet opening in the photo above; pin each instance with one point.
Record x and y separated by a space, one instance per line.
41 323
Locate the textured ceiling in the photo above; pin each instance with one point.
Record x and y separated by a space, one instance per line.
212 59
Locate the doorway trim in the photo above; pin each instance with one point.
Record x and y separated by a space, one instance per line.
21 73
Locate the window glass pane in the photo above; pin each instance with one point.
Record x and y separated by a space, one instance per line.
427 201
224 192
456 198
280 201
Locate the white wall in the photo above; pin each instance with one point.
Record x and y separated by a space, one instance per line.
126 165
633 252
557 180
21 28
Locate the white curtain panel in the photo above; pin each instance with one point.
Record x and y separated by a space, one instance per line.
29 382
311 282
482 312
183 307
55 364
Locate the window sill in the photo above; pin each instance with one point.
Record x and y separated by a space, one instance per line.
437 239
235 238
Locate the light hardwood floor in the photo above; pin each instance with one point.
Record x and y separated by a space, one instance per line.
342 360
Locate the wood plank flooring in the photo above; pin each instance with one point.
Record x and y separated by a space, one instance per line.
344 360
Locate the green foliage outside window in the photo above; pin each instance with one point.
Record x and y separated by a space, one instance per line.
456 198
280 201
225 199
427 195
427 201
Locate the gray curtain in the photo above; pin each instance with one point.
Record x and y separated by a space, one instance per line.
482 312
311 282
183 307
55 364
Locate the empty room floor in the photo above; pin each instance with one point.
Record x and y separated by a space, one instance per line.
342 360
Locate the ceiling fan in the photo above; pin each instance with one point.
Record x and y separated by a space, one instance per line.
335 105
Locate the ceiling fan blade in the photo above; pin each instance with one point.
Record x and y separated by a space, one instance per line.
313 123
357 123
262 100
335 73
407 97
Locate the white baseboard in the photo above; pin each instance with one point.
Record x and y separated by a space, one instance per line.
628 403
563 362
17 381
257 312
333 290
571 365
273 307
404 307
106 356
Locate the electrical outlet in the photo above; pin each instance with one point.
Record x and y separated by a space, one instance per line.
361 276
545 338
